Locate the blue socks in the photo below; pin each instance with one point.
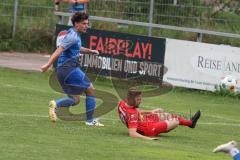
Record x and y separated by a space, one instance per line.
90 106
69 101
237 157
65 102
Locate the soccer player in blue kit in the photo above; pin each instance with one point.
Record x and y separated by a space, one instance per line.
72 80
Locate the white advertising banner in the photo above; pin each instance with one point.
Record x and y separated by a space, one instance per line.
199 65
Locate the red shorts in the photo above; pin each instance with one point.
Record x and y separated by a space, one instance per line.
152 128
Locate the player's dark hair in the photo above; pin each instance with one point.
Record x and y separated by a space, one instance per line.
79 17
132 93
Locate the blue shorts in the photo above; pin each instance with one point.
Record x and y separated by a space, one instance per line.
73 80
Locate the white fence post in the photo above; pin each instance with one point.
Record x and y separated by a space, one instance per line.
151 17
15 18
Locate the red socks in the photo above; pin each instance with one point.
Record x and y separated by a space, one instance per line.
183 121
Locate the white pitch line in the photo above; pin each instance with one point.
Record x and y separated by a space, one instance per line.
27 88
23 115
32 89
224 118
112 119
221 124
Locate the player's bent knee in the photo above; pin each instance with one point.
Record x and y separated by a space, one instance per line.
172 124
77 100
90 91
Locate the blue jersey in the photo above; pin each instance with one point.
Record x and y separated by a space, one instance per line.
72 45
77 7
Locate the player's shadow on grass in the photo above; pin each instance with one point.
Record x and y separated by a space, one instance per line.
173 136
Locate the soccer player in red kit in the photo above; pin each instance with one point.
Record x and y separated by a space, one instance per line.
147 124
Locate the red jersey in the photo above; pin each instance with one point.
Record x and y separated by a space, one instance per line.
128 115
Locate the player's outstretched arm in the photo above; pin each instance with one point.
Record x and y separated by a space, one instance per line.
134 134
143 111
52 59
158 110
87 50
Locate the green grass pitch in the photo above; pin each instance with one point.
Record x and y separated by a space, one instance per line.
27 134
